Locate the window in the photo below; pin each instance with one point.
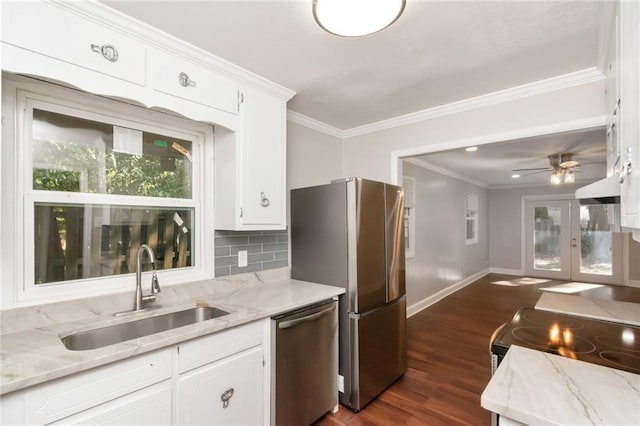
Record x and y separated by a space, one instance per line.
95 184
409 216
471 218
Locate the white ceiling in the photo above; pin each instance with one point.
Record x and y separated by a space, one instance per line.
492 164
437 52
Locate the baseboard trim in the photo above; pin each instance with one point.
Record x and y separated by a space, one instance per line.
632 283
428 301
506 271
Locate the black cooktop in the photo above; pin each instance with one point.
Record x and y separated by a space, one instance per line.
605 343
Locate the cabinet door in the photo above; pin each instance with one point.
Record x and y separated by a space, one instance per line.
263 159
60 34
629 112
186 80
227 392
151 406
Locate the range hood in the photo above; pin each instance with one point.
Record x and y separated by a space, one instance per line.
604 191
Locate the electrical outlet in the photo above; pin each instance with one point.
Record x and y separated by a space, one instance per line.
242 258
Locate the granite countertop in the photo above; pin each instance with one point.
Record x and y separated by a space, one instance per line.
31 351
607 310
534 387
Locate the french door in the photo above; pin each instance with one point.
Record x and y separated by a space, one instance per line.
566 240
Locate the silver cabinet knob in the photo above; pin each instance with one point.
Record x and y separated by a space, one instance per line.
264 201
185 81
226 397
108 51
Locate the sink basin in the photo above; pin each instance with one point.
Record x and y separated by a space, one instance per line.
99 337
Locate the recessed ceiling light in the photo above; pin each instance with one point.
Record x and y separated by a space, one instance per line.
515 176
471 148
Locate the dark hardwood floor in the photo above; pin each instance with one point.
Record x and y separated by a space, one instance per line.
448 356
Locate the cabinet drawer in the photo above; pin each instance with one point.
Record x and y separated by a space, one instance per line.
70 395
51 31
204 350
174 76
237 380
150 406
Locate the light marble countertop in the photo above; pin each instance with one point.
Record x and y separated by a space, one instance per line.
538 388
608 310
31 351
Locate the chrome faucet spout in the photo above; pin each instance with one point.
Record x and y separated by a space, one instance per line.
155 285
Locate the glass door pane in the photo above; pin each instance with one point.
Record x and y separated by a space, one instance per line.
595 240
547 233
596 255
548 239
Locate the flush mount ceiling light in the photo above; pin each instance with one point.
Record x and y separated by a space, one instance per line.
355 18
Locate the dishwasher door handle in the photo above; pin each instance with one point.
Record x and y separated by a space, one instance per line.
312 317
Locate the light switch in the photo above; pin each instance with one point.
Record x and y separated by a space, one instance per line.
242 258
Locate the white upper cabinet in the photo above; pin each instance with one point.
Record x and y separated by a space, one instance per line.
186 80
629 113
96 49
59 34
250 166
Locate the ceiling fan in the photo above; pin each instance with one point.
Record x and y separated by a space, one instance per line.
561 166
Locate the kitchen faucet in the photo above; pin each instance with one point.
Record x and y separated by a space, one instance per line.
155 285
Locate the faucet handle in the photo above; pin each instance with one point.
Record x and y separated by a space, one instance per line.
155 285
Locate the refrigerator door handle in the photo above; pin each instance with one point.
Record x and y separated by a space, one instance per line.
312 317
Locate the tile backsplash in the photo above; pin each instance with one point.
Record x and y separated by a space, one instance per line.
265 250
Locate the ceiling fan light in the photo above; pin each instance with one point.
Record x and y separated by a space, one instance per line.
556 178
569 177
355 18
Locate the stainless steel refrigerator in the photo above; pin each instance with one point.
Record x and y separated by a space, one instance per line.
350 234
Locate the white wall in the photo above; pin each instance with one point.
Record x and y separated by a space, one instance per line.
505 223
313 158
441 256
369 155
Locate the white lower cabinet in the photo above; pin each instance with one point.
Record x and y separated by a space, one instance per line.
218 379
151 406
227 392
68 396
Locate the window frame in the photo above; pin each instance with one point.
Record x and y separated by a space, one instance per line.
92 107
471 213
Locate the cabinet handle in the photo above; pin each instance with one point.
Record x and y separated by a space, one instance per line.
264 201
108 51
226 396
185 81
626 167
626 170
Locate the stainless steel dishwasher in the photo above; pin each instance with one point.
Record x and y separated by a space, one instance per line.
305 369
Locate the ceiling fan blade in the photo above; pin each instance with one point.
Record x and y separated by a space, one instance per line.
535 173
536 168
594 162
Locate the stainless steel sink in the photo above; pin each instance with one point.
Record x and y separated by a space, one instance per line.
99 337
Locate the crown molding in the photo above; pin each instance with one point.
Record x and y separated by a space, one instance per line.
312 123
540 185
564 81
559 82
446 172
151 36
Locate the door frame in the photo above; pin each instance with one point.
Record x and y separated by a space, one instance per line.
523 221
565 252
618 241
